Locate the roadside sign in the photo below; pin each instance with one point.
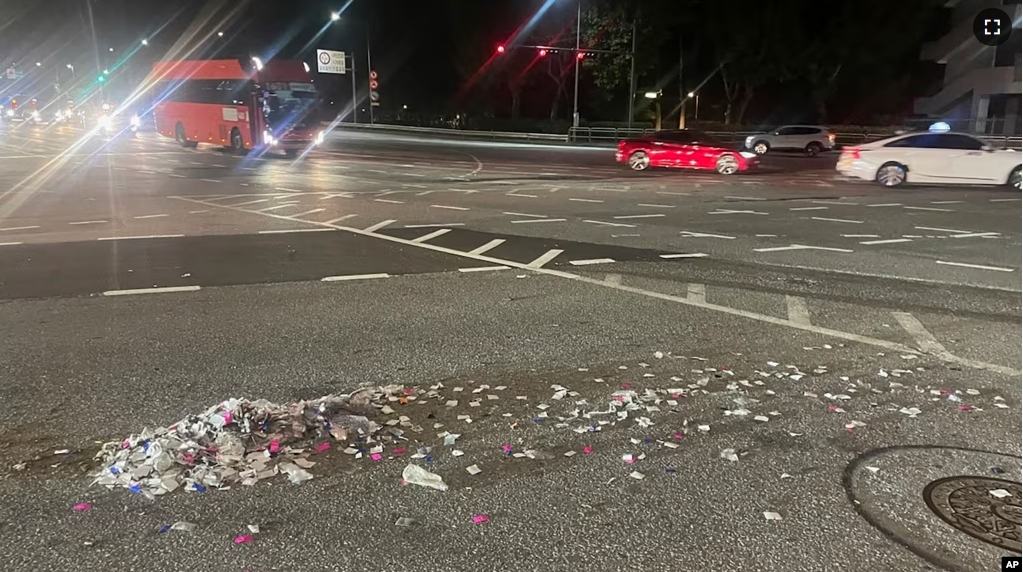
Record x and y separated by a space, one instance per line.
374 96
330 61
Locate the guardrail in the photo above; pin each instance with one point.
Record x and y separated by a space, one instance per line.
457 133
609 136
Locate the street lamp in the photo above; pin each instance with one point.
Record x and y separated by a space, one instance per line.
651 95
258 63
334 16
39 64
220 34
696 114
145 42
111 50
656 96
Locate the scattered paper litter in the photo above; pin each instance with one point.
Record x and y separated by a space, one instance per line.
480 518
81 506
637 475
999 493
253 528
729 454
183 526
473 470
416 475
243 539
772 515
404 521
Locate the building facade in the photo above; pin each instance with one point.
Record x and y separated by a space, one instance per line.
980 91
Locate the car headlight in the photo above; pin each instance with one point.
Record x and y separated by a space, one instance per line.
748 155
35 115
269 139
319 138
136 121
10 113
749 141
105 122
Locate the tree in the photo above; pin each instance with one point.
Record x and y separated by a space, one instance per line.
752 50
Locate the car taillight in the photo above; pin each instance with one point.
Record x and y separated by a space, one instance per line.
621 144
831 137
852 152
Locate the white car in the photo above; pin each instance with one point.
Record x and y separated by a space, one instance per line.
944 158
810 139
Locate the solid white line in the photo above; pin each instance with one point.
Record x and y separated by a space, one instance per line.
268 209
589 261
378 226
484 268
389 201
887 241
689 234
449 207
525 215
730 211
538 220
978 266
684 255
431 235
210 180
861 236
809 209
975 234
435 224
287 190
340 218
354 277
613 279
656 206
638 216
251 202
545 258
9 243
797 311
884 205
164 290
291 230
307 213
587 200
836 220
764 318
834 203
800 247
929 209
952 230
610 223
18 228
746 198
141 237
924 340
152 216
488 246
89 222
696 293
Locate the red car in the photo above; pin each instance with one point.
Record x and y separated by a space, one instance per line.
686 149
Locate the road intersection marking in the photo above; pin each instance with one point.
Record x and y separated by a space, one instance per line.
532 266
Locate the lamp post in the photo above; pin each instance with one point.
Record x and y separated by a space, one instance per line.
696 96
656 96
336 17
575 90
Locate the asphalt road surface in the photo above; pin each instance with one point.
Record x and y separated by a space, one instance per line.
855 346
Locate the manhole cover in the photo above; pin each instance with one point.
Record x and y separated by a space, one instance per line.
967 503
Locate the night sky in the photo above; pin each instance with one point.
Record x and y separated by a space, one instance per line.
424 51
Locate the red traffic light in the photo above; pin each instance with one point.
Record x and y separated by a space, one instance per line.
500 48
543 53
579 55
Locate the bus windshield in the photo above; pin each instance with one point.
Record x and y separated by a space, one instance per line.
291 107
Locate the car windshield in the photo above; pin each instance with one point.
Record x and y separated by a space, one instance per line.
511 285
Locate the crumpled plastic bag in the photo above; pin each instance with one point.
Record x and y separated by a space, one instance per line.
416 475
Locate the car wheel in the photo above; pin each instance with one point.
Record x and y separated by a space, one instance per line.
1016 179
179 135
813 149
761 147
639 161
237 143
727 165
891 175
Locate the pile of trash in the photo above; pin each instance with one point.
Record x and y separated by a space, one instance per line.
242 442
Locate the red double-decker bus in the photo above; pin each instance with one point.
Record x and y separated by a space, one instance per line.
238 104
